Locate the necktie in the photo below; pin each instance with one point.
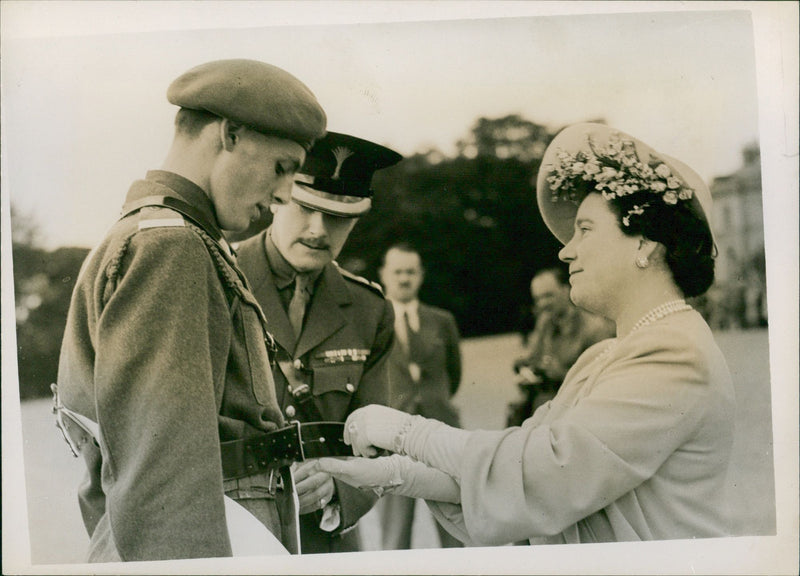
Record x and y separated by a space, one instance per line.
413 349
298 303
409 334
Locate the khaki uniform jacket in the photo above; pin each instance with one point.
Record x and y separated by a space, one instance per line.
635 446
164 349
341 355
440 368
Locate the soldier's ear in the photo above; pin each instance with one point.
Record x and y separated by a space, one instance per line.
229 132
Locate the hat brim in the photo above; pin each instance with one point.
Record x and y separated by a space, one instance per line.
342 206
559 215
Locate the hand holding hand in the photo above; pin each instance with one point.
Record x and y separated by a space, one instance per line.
374 427
394 474
315 488
364 473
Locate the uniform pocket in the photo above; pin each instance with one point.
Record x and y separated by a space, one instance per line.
342 377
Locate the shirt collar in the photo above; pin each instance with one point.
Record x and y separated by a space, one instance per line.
410 307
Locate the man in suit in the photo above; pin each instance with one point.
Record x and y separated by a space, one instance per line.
425 371
333 330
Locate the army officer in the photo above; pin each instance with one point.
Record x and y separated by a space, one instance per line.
333 330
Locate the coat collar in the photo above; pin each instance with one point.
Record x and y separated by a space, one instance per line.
324 316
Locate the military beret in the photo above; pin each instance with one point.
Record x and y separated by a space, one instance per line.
587 156
336 177
256 94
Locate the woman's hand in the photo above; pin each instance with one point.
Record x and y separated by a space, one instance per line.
374 427
376 474
393 474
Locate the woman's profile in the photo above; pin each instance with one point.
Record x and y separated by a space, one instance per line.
636 444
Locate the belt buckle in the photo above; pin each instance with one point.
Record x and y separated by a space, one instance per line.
302 453
275 482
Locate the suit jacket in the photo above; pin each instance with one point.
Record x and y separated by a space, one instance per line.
440 368
157 356
635 446
341 356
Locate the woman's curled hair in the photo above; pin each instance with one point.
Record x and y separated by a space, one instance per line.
680 229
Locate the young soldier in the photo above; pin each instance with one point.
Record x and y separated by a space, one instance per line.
164 368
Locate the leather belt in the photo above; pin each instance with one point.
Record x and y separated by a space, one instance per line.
294 443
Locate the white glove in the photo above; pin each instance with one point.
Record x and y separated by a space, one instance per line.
394 474
376 427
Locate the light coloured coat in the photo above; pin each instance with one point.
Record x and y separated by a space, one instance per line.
635 446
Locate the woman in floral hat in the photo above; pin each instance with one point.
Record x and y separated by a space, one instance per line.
636 444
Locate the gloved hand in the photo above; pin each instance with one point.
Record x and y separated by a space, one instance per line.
375 427
393 474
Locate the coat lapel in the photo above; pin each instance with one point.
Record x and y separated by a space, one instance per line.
427 330
324 316
253 259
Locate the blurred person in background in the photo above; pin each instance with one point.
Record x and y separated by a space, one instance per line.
332 330
561 334
164 362
636 443
425 372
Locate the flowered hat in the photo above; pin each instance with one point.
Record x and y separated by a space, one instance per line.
594 157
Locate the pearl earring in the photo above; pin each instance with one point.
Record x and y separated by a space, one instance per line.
642 262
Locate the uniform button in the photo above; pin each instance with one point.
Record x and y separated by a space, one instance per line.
290 411
350 388
298 364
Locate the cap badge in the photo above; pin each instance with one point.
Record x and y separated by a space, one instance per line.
341 153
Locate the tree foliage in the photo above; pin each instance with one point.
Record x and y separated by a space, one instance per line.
472 217
43 284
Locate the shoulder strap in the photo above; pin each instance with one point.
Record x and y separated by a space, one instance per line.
374 286
179 206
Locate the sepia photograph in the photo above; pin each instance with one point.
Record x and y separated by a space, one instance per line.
399 287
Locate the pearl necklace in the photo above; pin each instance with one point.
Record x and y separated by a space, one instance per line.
653 315
659 312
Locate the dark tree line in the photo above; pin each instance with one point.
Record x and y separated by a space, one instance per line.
473 218
43 284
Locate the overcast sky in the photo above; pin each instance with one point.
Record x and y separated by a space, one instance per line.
87 114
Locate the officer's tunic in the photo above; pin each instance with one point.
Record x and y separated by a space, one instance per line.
164 349
341 355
